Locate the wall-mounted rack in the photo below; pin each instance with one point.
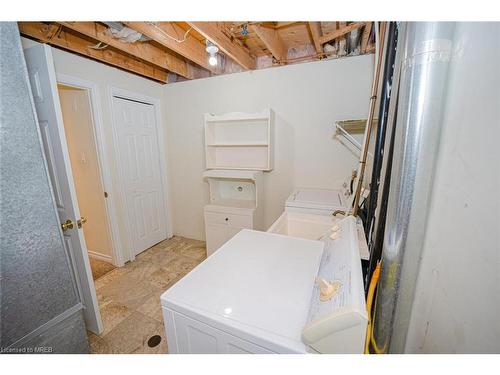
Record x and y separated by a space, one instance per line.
347 127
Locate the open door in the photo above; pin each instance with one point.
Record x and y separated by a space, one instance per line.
44 87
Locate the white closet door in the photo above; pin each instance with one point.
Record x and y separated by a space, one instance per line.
141 173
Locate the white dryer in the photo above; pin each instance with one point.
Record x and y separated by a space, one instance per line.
258 294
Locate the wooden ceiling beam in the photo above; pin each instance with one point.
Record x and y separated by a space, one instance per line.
365 37
340 32
237 52
55 35
272 41
191 48
370 48
142 50
316 34
283 24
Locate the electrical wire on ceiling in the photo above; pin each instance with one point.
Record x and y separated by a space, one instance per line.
170 36
99 45
244 30
52 35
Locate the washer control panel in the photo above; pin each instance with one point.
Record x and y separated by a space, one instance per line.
338 300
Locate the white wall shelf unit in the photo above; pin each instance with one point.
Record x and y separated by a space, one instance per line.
239 141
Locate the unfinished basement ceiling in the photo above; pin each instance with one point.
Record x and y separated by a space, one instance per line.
176 51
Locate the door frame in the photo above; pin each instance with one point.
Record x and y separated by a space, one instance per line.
113 92
102 160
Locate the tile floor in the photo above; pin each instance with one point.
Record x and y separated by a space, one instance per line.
129 296
100 268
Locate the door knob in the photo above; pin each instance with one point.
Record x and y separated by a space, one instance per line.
81 221
67 225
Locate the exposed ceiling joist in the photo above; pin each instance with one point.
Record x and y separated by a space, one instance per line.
179 47
316 34
168 34
212 32
53 34
341 32
282 24
142 50
272 41
366 36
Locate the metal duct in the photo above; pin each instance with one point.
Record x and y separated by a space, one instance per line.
353 42
426 55
125 34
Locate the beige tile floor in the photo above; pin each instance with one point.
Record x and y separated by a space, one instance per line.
129 296
100 268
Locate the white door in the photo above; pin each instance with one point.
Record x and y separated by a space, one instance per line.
44 87
141 172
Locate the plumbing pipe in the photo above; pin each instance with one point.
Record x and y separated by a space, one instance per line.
379 46
422 94
369 304
377 241
385 97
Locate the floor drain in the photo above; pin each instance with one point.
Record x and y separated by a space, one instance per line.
154 341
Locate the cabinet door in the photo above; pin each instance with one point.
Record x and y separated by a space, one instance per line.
216 236
232 231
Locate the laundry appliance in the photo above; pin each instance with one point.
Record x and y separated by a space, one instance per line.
318 201
268 293
309 213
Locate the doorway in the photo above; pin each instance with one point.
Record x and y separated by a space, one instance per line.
90 192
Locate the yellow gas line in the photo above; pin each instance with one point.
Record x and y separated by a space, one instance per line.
369 302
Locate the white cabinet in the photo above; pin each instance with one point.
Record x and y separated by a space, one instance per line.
221 224
238 147
235 204
239 141
216 235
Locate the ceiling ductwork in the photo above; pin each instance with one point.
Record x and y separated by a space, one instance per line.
125 34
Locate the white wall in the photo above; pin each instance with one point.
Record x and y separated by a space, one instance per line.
307 100
104 76
78 128
457 301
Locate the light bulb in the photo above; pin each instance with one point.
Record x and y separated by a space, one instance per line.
212 60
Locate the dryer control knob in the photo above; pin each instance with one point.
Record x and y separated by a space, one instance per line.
335 235
327 289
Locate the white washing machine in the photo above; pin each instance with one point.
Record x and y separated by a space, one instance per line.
318 201
309 214
258 294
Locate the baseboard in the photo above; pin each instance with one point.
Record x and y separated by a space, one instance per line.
99 256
